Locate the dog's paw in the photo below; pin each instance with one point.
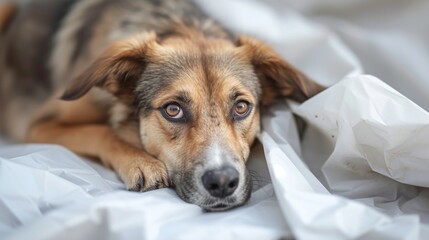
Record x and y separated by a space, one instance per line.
145 175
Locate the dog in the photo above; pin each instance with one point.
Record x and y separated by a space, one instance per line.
154 89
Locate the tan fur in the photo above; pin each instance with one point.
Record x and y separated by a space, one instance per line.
157 134
280 78
86 117
7 10
122 57
133 165
112 114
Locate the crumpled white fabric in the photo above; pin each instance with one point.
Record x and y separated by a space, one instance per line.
47 192
375 154
358 173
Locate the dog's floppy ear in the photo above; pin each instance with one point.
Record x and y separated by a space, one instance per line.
117 69
278 78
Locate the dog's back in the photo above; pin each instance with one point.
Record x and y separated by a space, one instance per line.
47 42
26 46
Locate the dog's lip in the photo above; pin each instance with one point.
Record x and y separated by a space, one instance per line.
219 207
213 205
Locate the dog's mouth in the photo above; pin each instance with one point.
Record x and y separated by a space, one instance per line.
220 207
217 205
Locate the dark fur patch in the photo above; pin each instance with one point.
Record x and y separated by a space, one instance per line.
241 71
30 44
155 2
157 77
83 36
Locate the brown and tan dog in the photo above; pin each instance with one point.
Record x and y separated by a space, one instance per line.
156 90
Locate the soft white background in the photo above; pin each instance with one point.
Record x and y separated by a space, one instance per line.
366 143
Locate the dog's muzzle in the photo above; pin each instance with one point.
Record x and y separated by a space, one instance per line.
214 188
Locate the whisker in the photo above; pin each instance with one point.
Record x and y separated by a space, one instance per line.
257 180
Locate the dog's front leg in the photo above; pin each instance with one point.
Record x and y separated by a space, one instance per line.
139 170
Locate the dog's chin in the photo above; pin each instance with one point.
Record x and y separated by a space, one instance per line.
217 208
211 204
221 207
218 205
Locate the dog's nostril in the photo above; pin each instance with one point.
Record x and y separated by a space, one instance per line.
233 184
221 182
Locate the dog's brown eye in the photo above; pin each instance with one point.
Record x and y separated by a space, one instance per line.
241 110
174 111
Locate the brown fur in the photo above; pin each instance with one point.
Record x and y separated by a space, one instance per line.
117 79
7 11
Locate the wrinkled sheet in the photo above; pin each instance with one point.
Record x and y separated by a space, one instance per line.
358 173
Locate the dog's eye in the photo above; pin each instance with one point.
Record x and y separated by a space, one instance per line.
173 112
242 110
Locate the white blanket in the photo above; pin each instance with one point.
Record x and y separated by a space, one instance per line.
359 173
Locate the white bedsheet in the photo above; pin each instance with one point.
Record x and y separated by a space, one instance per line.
359 173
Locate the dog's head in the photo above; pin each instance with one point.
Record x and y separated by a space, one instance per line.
198 104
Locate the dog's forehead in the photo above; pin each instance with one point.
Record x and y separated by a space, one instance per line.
214 60
197 70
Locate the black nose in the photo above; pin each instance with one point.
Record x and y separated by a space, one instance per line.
221 182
